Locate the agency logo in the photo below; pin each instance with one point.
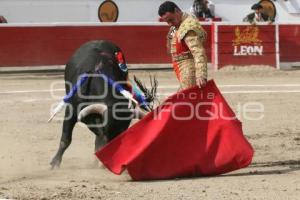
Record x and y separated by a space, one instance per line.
247 42
108 11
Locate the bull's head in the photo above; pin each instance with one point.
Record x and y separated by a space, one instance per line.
115 77
138 111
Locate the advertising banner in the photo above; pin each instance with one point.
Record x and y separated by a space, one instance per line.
241 45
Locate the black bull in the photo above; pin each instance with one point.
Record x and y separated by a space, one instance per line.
97 104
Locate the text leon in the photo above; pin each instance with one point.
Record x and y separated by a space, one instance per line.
248 50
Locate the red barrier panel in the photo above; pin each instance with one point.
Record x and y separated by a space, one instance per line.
208 42
53 45
289 43
244 45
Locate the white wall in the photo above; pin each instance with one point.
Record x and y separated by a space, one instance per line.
44 11
18 11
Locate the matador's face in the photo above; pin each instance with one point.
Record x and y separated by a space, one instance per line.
172 18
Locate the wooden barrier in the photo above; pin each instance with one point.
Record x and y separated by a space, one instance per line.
53 45
289 42
241 45
231 44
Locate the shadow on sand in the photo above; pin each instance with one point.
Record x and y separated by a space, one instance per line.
283 168
256 168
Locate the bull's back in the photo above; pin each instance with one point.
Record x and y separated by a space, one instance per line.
86 57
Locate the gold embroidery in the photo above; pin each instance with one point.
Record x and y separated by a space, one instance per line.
183 56
191 64
248 35
191 24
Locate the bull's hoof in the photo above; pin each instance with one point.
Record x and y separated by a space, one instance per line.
55 163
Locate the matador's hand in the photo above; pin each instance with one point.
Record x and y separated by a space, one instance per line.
201 82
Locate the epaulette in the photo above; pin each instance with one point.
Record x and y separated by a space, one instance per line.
191 24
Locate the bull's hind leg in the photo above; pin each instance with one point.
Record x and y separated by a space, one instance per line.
66 137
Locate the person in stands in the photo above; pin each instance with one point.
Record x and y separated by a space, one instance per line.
257 15
185 42
2 19
201 9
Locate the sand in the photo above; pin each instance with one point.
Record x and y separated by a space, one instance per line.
28 143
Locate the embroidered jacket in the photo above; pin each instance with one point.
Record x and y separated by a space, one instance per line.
187 51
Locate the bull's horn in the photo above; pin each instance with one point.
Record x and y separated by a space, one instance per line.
138 114
91 109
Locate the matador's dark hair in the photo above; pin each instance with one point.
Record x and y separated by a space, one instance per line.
167 6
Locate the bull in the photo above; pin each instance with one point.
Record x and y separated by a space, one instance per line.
96 103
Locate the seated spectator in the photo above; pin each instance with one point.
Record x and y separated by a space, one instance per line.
211 6
200 9
2 19
257 15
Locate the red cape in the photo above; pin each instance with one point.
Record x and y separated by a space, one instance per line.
193 133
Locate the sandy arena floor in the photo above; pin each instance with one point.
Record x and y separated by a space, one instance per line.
28 143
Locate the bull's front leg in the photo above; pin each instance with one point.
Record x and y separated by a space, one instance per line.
100 141
66 137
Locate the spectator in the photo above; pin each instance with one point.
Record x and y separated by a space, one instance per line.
201 9
2 19
257 15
